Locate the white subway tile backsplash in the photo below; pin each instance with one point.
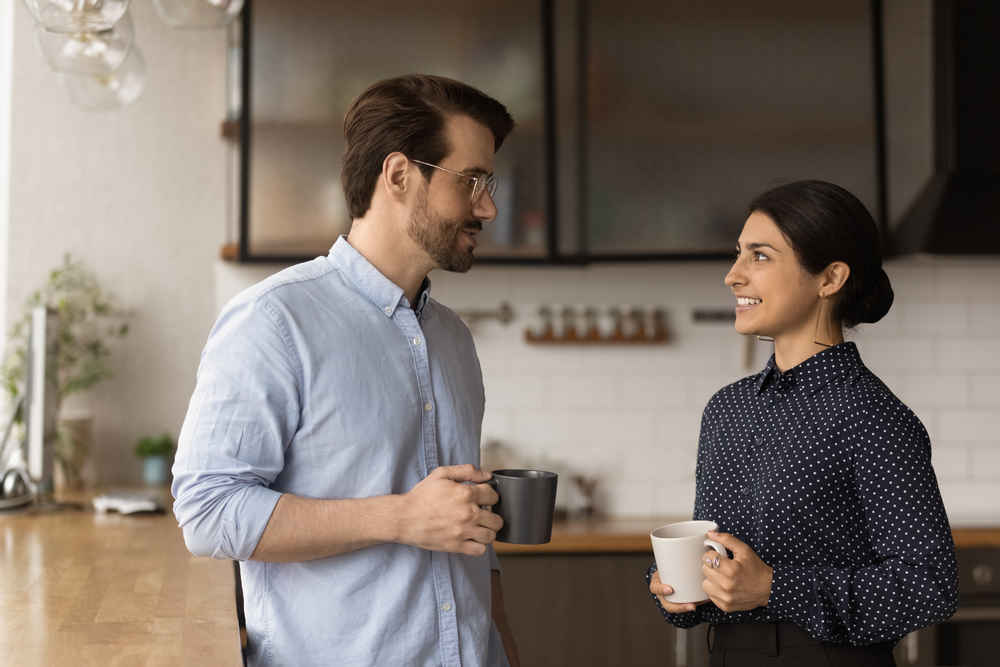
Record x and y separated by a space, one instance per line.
968 354
930 391
918 318
674 499
898 355
969 280
986 461
981 425
626 498
984 391
984 319
951 463
631 415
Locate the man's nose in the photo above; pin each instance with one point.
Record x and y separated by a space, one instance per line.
485 209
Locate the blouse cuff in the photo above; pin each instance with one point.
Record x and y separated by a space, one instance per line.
791 590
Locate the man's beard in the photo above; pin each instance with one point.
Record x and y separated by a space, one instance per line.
441 238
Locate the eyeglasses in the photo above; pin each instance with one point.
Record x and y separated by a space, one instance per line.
477 184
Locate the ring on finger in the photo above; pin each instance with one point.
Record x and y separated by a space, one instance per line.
712 562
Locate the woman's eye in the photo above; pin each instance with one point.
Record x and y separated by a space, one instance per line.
760 257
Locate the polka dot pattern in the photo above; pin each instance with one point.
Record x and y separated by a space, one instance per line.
827 476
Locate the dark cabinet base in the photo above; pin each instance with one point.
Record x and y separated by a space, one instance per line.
589 610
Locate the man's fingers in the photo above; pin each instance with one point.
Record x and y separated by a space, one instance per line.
483 535
461 473
485 495
490 520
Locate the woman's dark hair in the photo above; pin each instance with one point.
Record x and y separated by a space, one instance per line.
407 114
825 223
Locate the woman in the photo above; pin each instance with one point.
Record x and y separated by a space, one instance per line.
819 477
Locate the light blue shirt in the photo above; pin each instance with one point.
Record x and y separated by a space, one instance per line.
322 381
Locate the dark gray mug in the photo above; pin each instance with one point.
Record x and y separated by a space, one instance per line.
527 503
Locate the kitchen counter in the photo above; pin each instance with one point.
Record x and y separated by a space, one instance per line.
81 588
607 535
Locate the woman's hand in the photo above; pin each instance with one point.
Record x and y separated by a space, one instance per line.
661 590
737 584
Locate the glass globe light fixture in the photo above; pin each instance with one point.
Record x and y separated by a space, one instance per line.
77 16
104 92
198 13
97 53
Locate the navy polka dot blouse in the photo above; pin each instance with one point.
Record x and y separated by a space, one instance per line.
827 476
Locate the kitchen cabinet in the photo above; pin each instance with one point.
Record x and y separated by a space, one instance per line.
641 135
692 109
304 62
582 610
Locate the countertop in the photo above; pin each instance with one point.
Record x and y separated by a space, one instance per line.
81 588
608 535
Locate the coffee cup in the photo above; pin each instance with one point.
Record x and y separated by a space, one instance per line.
679 549
527 504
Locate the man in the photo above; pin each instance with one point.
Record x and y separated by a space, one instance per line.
332 440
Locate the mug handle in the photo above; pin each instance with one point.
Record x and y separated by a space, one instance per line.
718 547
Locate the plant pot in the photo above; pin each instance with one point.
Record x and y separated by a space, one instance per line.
76 438
155 469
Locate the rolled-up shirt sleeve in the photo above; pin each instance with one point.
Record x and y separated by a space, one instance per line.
243 413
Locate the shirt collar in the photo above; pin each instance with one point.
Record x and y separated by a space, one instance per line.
371 283
839 361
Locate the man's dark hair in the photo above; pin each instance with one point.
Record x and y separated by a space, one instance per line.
407 114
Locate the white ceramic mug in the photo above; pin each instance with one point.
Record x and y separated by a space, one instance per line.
679 549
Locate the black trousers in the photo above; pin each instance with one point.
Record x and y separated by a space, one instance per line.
787 645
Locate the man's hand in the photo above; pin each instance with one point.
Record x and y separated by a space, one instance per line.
441 513
737 584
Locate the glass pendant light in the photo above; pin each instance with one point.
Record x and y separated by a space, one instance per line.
102 92
99 53
197 13
77 16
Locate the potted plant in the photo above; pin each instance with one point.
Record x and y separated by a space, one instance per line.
155 451
88 322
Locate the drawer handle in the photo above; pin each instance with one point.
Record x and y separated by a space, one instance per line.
912 646
982 574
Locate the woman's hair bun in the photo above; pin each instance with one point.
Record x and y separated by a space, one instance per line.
872 303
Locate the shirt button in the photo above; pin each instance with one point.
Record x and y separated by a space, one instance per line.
416 341
446 606
758 440
745 490
388 310
428 407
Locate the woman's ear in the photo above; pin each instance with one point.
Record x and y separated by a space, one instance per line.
833 279
395 175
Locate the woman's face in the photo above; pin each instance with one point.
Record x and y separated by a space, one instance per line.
775 295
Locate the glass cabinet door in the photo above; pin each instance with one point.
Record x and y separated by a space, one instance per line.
309 59
692 108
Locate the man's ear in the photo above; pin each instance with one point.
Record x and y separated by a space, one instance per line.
396 176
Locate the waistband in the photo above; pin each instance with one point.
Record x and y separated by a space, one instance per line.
771 637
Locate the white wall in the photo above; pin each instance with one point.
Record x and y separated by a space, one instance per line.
139 195
6 70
